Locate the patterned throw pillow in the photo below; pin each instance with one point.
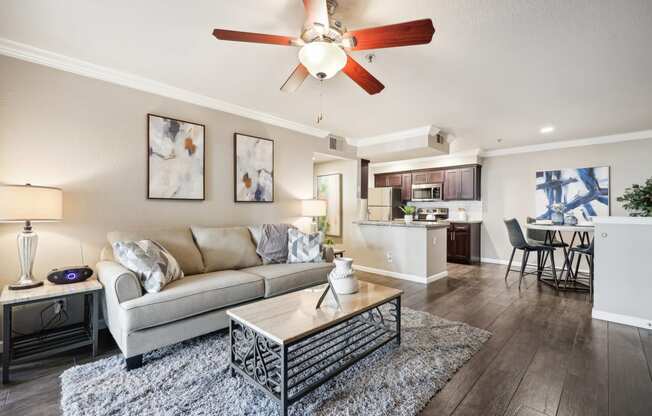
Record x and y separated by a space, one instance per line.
153 264
304 248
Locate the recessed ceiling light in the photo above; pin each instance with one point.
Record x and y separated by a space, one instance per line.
547 129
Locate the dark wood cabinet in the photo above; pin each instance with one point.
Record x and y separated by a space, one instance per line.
463 243
394 180
452 185
380 181
436 176
406 187
427 176
462 184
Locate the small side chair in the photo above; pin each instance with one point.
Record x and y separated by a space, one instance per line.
518 241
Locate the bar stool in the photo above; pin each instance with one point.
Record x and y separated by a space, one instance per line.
585 250
518 241
539 237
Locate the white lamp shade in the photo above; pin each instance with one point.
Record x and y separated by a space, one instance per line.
313 208
33 203
322 59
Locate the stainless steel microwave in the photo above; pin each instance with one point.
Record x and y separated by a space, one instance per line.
426 192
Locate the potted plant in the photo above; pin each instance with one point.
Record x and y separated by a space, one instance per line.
408 212
638 199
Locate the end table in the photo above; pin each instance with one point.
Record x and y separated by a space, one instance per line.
16 350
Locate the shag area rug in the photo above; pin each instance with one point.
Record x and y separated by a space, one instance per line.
192 378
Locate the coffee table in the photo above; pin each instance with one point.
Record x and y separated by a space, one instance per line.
287 348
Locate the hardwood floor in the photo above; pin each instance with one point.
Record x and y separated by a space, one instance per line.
546 356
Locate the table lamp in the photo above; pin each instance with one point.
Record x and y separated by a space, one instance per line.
313 208
27 203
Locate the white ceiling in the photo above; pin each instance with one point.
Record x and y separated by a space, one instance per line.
495 69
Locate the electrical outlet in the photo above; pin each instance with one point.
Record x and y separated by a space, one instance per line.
434 241
389 257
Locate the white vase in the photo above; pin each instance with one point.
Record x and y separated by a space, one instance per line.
342 277
408 218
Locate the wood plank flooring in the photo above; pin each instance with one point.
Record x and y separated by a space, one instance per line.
546 356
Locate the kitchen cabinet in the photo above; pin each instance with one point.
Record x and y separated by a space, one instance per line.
427 176
459 184
462 184
406 187
380 181
392 180
463 243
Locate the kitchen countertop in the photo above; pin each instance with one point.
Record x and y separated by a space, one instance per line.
401 223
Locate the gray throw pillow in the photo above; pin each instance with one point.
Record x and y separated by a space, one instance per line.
304 248
151 262
272 243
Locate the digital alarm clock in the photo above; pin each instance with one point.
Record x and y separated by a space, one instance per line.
71 274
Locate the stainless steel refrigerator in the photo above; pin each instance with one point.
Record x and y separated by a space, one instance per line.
383 204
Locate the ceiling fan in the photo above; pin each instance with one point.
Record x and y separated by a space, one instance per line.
325 44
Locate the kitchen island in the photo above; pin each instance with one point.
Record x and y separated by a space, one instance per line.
413 251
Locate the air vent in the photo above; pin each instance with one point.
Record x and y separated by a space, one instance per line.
335 142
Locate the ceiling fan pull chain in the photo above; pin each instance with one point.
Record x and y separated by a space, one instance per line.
320 116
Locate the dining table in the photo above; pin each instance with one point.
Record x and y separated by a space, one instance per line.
581 235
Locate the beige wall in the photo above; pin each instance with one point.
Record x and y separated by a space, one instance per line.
508 183
89 138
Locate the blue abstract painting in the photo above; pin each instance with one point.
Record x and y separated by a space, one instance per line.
583 191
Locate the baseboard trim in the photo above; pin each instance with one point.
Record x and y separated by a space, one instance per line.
402 276
621 319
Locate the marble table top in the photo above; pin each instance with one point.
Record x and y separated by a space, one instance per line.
48 291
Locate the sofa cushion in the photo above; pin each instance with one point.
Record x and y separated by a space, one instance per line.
177 241
281 278
191 296
225 248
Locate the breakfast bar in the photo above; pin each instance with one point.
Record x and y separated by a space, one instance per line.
414 251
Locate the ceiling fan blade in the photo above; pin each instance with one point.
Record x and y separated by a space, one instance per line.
417 32
316 12
236 36
362 77
295 79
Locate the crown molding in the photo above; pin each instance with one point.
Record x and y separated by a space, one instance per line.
614 138
391 137
76 66
438 158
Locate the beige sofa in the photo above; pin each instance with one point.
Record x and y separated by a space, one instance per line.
221 270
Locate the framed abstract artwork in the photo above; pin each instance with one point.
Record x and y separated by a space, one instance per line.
583 191
253 162
176 159
329 188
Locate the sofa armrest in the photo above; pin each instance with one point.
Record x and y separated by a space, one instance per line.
120 284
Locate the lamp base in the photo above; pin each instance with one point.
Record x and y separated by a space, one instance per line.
25 284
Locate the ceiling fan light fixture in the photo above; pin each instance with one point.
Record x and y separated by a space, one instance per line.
322 59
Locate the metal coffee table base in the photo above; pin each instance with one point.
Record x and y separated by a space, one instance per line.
286 373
